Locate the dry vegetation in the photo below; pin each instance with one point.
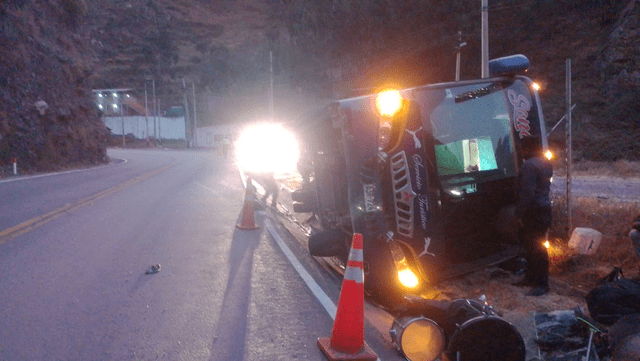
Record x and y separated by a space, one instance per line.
572 277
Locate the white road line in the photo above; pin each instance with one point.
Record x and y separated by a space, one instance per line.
326 302
306 277
57 173
205 187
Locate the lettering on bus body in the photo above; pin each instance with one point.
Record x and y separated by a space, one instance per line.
423 205
423 200
418 169
521 107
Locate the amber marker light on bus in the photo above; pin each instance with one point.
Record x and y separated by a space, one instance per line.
407 278
535 86
389 102
548 154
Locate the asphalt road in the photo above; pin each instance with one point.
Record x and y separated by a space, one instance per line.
616 189
74 248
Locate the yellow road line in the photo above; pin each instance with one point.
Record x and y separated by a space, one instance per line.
33 223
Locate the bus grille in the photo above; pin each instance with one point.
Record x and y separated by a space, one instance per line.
403 194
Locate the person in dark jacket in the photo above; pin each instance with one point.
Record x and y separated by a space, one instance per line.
270 185
533 214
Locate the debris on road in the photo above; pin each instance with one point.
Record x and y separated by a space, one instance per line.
153 269
473 330
614 298
585 240
566 336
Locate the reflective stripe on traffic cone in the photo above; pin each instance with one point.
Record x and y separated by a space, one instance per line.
347 336
248 221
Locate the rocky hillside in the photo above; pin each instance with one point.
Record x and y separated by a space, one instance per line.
220 48
601 39
165 40
47 117
55 52
619 67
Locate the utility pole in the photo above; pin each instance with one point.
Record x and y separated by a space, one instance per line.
155 102
569 146
146 109
458 51
186 111
137 133
124 142
485 39
159 124
195 118
271 85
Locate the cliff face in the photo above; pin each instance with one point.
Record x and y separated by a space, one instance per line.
47 118
166 40
620 65
610 122
55 52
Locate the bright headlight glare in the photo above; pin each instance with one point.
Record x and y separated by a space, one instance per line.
407 278
389 102
267 147
548 154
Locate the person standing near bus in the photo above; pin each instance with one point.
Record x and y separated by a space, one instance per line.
225 146
533 214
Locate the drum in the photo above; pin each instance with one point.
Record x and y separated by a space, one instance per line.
417 338
478 333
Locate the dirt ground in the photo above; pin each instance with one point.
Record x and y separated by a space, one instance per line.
572 276
567 291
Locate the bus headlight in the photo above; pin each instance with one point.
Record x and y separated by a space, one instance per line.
389 102
407 278
384 134
417 338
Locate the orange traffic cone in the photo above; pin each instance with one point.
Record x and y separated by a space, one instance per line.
347 336
248 220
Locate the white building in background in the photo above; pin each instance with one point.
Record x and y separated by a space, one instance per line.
141 127
211 137
171 128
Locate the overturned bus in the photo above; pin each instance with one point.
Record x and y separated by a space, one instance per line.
427 175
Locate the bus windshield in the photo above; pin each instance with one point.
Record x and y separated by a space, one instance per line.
471 128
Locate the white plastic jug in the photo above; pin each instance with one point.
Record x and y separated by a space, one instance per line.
585 240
